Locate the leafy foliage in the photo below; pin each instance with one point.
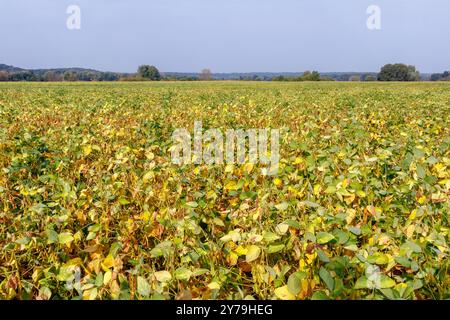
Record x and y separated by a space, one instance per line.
398 72
149 72
359 209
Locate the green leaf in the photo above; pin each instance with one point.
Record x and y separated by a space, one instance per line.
356 231
324 237
99 280
383 282
330 189
95 227
294 282
275 248
341 236
414 247
319 295
326 277
361 283
65 238
386 282
123 201
183 274
322 256
192 204
23 240
378 258
403 261
115 248
420 171
199 272
293 224
52 236
162 249
270 237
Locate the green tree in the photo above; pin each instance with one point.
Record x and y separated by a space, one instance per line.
398 72
149 72
70 76
310 76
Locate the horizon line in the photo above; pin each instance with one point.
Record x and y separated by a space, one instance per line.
198 72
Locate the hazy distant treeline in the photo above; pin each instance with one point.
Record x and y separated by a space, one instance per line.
389 72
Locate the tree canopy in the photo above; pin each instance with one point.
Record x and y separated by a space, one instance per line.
149 72
398 72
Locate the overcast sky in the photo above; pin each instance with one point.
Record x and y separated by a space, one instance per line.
226 35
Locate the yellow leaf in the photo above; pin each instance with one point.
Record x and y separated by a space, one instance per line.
232 259
253 253
73 262
148 176
348 200
87 150
310 257
214 286
108 262
361 193
284 294
230 185
241 251
248 167
163 276
107 277
410 231
345 183
351 214
317 189
277 181
422 200
282 228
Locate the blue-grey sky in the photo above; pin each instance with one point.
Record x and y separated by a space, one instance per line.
226 35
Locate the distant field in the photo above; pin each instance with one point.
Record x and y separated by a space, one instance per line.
92 207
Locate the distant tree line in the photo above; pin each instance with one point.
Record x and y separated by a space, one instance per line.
389 72
307 76
445 76
51 76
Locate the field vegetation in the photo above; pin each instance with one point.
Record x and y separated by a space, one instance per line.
91 206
